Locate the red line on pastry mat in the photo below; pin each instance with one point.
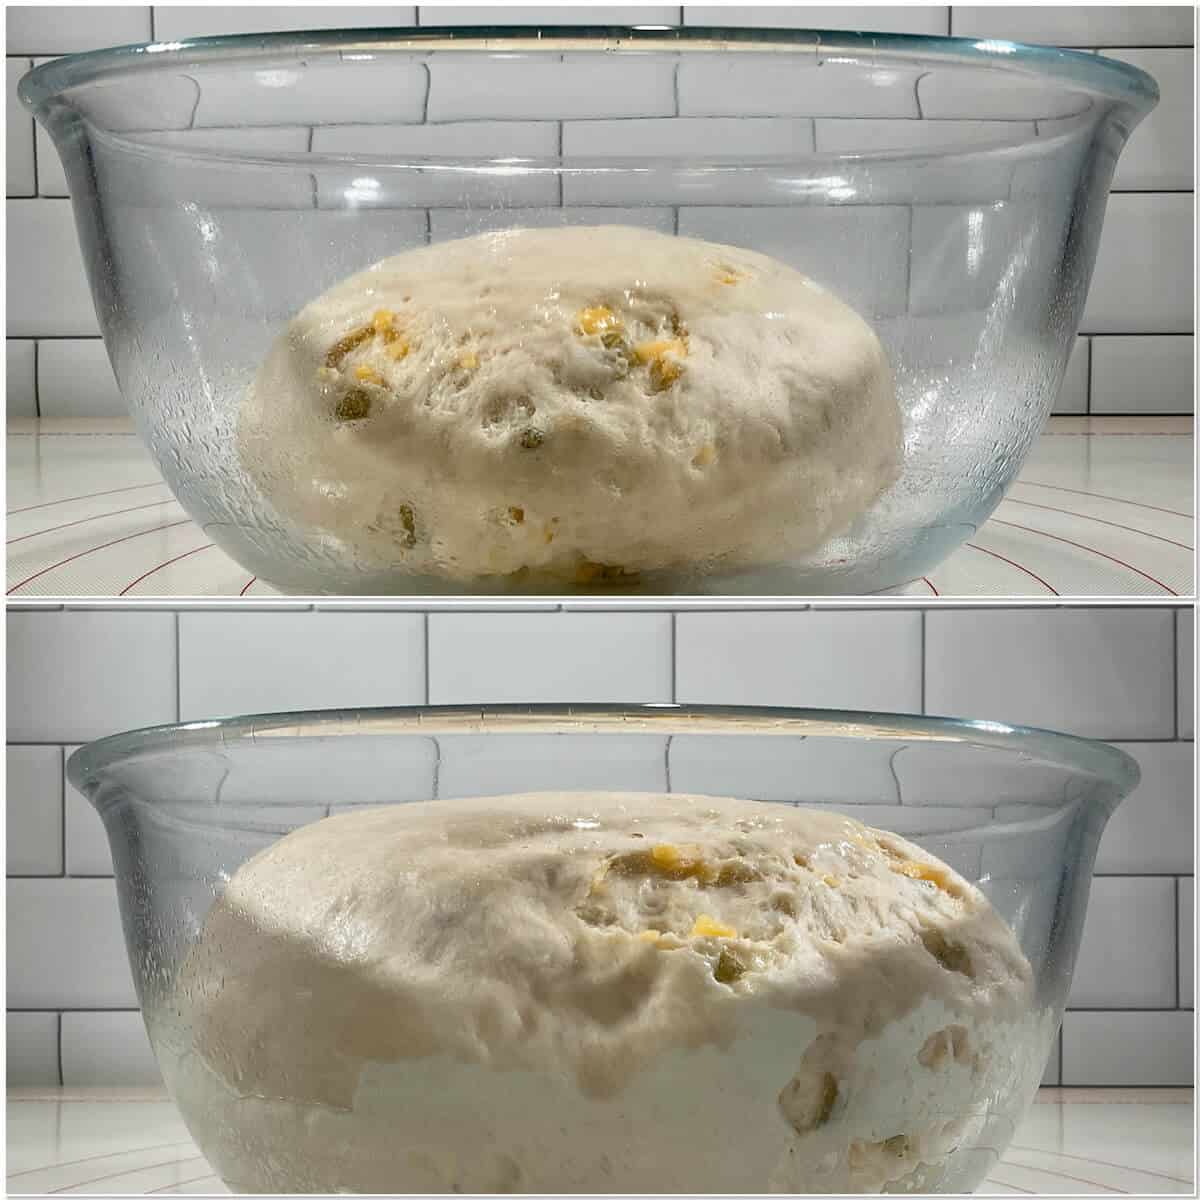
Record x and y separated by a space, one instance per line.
1113 433
925 579
75 1162
185 554
248 586
85 520
1100 520
1054 487
1016 1187
1098 1162
983 550
170 1162
93 549
1091 550
1064 1175
168 1187
133 487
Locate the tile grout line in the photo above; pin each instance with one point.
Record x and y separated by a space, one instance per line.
37 174
59 878
1177 932
437 742
62 759
1136 876
59 1032
1175 667
561 181
1119 1008
426 615
72 1009
674 657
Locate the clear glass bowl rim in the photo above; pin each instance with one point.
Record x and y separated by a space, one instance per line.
1104 762
1108 77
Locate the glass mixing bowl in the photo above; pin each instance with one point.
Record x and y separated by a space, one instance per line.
950 191
1018 812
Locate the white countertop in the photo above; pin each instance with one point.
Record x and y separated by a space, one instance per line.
1102 508
133 1142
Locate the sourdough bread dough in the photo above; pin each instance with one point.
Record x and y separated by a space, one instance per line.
600 992
578 404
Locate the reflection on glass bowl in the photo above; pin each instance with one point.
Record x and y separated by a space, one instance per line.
842 942
950 192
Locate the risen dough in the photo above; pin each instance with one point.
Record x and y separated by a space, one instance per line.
600 992
579 404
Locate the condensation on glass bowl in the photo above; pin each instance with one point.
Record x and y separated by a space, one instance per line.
952 192
1016 812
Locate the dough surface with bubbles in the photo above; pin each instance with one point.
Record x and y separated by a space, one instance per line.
578 405
599 992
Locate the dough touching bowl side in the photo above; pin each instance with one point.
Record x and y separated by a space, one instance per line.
1016 812
951 193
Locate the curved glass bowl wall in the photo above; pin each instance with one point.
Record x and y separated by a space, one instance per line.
1017 812
951 191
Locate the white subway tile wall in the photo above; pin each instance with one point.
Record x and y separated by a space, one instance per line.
1185 671
1064 25
175 21
78 672
45 287
33 827
238 662
32 1043
917 18
70 672
41 29
19 168
73 378
1123 912
1135 352
800 659
1096 672
79 918
575 14
1073 398
594 657
1143 277
1131 1049
98 1047
1155 834
20 377
1155 371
